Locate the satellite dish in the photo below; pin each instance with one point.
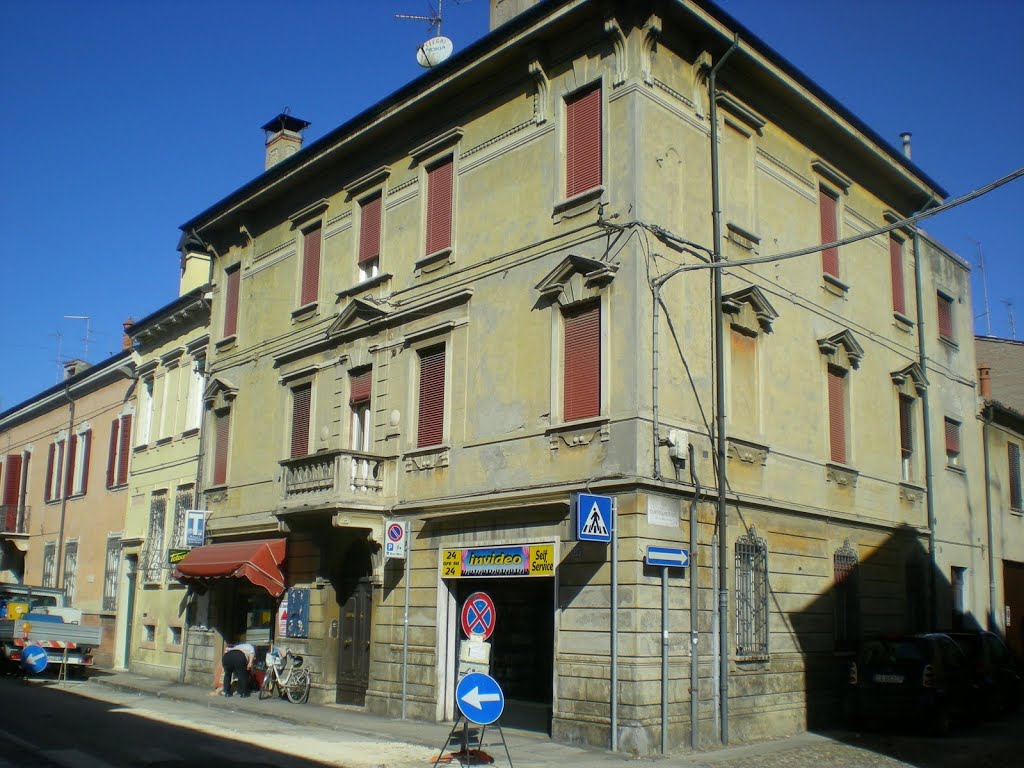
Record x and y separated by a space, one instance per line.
434 51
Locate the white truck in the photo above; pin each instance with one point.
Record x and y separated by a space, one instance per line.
40 616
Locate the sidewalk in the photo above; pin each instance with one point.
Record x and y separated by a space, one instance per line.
528 749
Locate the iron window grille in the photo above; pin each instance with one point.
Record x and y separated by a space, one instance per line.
183 502
847 597
751 590
70 569
110 573
153 557
49 565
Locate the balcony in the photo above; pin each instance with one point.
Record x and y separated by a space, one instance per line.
337 478
14 520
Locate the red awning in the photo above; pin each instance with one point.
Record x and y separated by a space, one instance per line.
258 561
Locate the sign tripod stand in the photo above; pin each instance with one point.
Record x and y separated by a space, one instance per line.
465 755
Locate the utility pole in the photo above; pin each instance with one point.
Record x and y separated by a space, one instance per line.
86 339
984 284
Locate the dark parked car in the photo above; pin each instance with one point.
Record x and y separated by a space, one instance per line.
916 680
998 672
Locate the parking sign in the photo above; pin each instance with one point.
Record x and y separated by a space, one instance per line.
395 545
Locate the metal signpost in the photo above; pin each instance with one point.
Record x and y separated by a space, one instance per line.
396 547
665 558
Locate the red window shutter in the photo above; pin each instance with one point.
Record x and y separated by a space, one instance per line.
58 483
311 265
369 230
301 397
583 142
69 481
360 386
231 301
952 437
220 457
125 449
86 455
945 309
430 426
829 233
13 484
899 303
1013 451
439 206
50 455
906 425
581 363
112 456
837 415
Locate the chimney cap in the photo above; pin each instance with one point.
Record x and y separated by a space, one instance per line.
285 122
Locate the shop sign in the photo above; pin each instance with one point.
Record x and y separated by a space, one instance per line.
484 562
175 556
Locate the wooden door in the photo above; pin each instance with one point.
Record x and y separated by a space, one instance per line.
354 642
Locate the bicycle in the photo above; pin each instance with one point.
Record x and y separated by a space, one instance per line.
287 673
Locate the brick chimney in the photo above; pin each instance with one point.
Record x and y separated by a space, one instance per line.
126 340
985 382
284 138
73 367
503 10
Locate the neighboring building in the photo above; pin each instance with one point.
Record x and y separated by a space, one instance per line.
64 478
1001 373
491 291
170 347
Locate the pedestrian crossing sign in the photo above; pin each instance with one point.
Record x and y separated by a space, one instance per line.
593 517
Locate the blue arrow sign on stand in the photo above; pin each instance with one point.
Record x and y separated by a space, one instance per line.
669 557
479 698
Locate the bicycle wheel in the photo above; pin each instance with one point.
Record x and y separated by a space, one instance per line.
297 688
267 689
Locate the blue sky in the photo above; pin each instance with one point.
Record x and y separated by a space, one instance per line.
122 119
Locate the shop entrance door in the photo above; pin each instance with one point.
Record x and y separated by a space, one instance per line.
522 646
1013 596
354 642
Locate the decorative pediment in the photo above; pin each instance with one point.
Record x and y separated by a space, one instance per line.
748 306
358 315
842 345
575 279
219 389
911 375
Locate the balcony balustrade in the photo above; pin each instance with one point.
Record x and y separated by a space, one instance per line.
337 476
14 519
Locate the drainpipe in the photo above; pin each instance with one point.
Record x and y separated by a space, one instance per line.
62 487
926 416
723 592
985 387
694 613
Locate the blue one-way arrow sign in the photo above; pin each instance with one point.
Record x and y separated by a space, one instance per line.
669 557
479 698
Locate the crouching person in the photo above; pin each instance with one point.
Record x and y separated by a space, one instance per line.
237 661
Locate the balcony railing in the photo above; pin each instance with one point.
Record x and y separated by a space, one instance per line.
336 475
14 519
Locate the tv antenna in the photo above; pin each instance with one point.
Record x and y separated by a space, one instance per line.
984 284
1013 327
60 353
86 339
431 52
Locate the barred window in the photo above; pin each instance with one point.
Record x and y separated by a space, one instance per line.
153 556
751 591
183 499
70 570
111 571
847 597
50 564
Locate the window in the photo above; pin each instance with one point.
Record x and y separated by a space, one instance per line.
751 589
906 437
837 414
153 556
1013 454
847 597
945 309
231 280
120 445
827 207
54 469
183 502
11 498
221 434
430 424
301 397
70 570
111 572
958 588
168 403
194 414
148 633
439 206
583 142
952 443
174 636
81 453
899 303
581 361
360 391
311 244
369 237
50 564
743 388
145 410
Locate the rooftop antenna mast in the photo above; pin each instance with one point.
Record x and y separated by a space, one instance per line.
86 339
984 285
1013 326
438 48
60 354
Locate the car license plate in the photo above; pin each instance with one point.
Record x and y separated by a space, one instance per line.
888 678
